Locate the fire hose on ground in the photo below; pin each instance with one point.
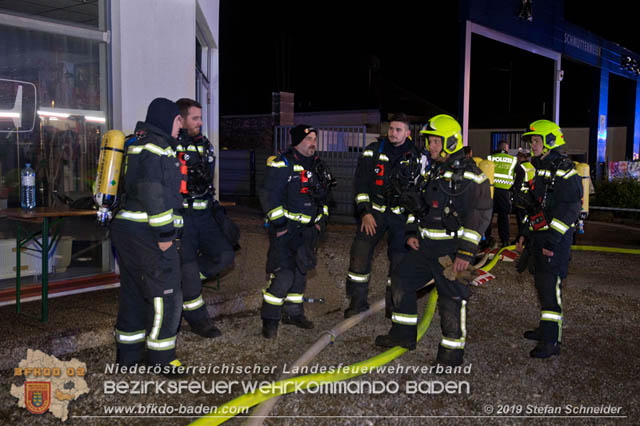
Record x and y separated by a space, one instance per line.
268 395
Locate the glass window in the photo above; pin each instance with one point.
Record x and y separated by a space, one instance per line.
53 115
89 13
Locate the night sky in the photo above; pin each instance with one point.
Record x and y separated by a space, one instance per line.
351 55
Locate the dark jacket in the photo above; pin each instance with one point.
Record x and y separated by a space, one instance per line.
288 193
557 188
375 167
152 181
458 198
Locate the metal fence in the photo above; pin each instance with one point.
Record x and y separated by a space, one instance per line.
513 138
330 139
339 147
237 172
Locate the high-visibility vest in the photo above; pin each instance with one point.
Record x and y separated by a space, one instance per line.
505 166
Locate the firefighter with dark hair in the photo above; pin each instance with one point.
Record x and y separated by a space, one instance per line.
378 210
205 250
452 207
143 233
553 207
294 198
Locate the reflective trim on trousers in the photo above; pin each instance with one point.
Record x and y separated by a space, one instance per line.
161 345
192 305
130 337
294 298
358 278
551 316
452 343
404 319
158 311
558 291
271 299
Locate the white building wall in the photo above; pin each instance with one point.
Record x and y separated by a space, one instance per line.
153 55
208 18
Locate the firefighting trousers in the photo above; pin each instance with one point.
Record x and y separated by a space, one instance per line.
205 252
150 295
287 281
361 256
501 206
416 269
548 277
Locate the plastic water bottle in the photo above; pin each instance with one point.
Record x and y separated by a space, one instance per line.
28 188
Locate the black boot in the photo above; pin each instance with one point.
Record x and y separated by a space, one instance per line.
390 341
358 294
534 334
206 329
269 329
451 357
352 310
545 350
299 321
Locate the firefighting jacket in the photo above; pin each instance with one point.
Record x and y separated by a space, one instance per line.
505 165
152 182
523 174
197 165
457 197
292 191
557 190
375 167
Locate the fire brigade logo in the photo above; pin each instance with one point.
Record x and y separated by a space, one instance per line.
48 384
37 396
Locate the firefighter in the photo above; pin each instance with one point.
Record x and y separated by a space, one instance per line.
143 234
555 196
378 211
294 199
503 177
205 252
452 208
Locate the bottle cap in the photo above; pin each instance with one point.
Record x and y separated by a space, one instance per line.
28 164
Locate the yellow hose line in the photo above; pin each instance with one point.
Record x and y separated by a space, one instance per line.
489 266
606 249
495 259
314 380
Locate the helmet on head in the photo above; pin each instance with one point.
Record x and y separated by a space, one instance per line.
447 128
550 132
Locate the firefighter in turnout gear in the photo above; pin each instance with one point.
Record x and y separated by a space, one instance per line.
555 197
294 199
143 234
204 251
452 208
505 166
378 210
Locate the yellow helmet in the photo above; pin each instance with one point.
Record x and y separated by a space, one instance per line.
550 132
447 128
